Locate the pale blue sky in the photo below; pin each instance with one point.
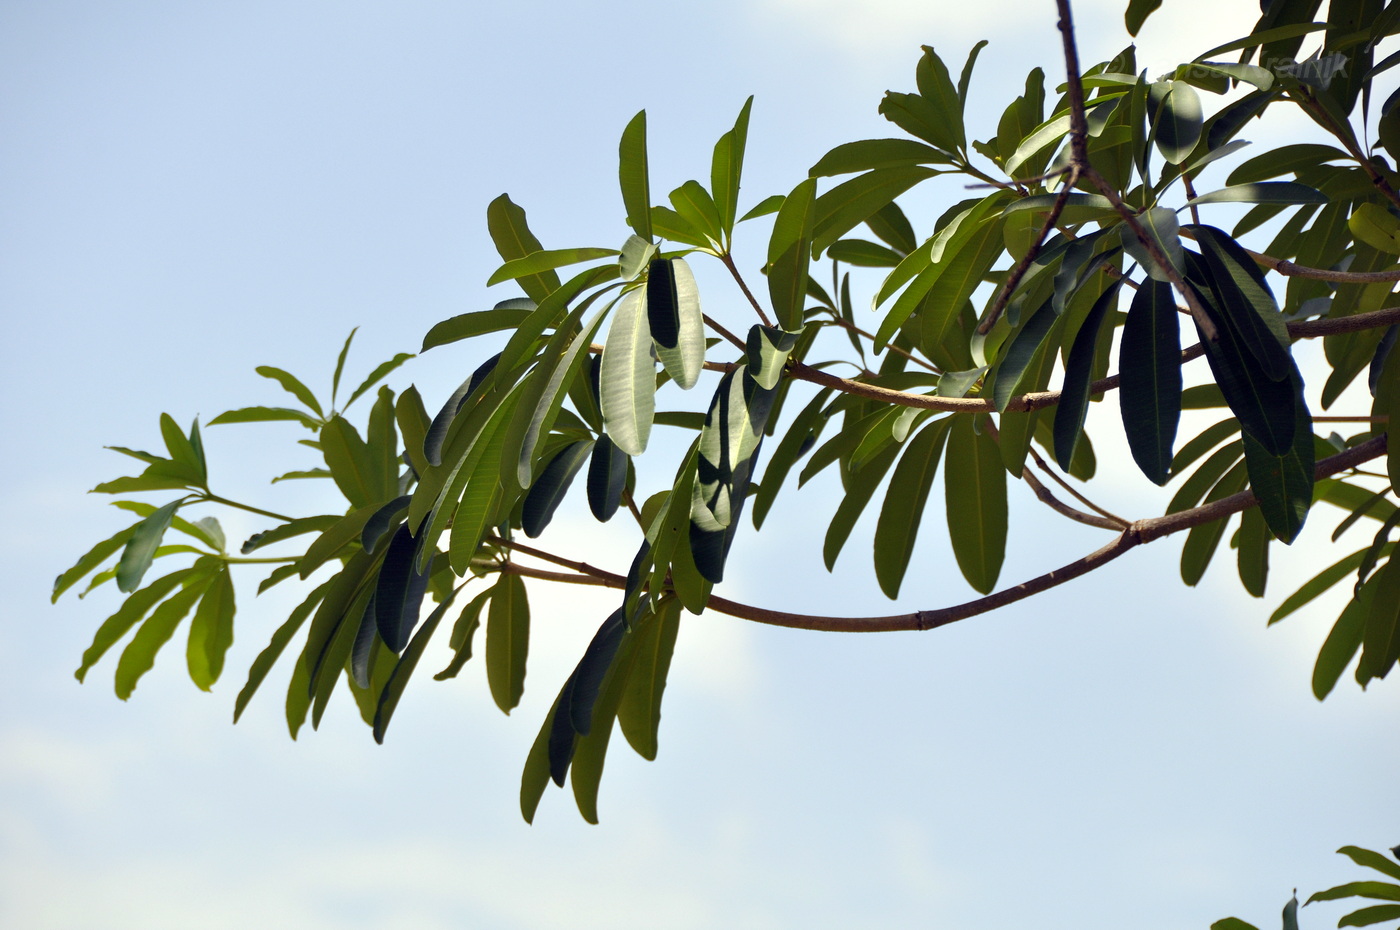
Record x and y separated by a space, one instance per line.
190 190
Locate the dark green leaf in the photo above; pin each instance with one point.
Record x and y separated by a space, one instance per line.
403 669
398 595
975 491
684 358
1150 389
1383 891
852 202
1380 643
607 478
1253 561
1074 396
140 654
141 546
1161 226
93 558
789 252
507 641
1366 916
1201 541
1283 483
549 488
726 168
1319 583
1371 860
1342 642
1138 11
463 632
903 510
378 375
639 712
269 655
873 154
211 630
546 260
1285 159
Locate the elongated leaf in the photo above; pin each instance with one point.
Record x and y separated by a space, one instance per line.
685 359
211 630
634 178
553 483
380 372
588 675
266 415
1074 396
1150 390
1366 916
292 386
607 478
535 777
873 154
852 202
257 672
141 547
398 595
1161 226
1383 891
93 558
1283 483
507 641
1202 541
1253 558
789 253
511 234
350 463
1343 642
132 611
1315 586
628 379
639 711
1284 192
1241 291
546 260
726 168
140 654
1138 11
508 314
1380 642
975 490
403 669
1254 40
903 510
1371 860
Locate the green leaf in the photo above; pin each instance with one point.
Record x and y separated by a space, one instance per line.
133 609
1383 891
1376 226
1380 643
633 177
696 207
628 379
1202 73
463 632
552 484
270 653
93 558
1174 112
1201 541
141 546
639 711
1074 395
891 225
767 354
1319 583
852 202
789 252
903 510
140 654
398 592
511 234
937 90
507 641
467 325
1161 226
1264 37
764 207
377 375
333 538
863 253
1366 916
1342 642
403 669
535 777
1283 483
211 630
1136 15
1042 137
1241 291
874 154
265 415
726 168
1150 388
607 478
1285 159
293 386
1285 192
1253 559
1371 860
684 358
1232 923
975 486
348 458
635 256
546 260
339 369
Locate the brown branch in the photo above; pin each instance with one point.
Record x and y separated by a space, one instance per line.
1348 140
1054 503
1136 534
847 324
1019 271
1113 520
1290 270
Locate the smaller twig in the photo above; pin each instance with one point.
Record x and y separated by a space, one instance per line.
840 321
724 332
1382 418
216 499
1191 196
1018 183
1013 280
1113 519
728 261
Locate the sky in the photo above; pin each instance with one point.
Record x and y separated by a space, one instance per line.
188 191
